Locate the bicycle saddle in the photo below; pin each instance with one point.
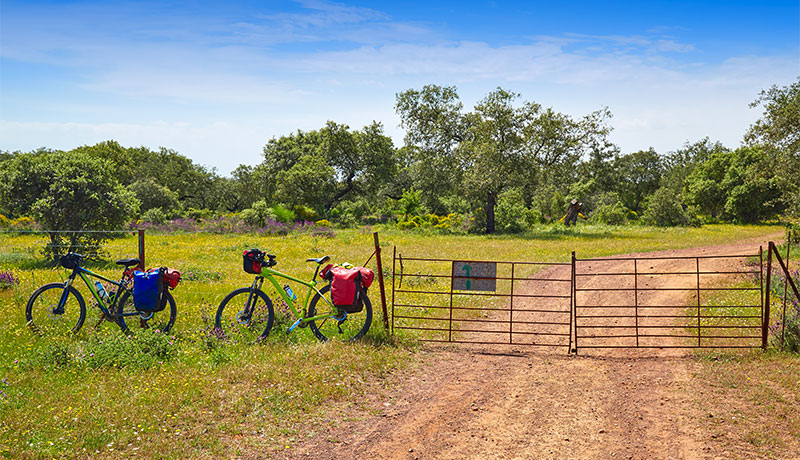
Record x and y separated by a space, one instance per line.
319 260
128 262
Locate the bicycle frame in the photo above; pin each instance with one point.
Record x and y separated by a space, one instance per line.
270 274
84 274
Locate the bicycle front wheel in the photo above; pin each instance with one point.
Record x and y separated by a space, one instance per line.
46 315
245 315
339 326
131 321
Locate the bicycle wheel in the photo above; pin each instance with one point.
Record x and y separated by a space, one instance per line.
160 321
243 317
339 326
46 318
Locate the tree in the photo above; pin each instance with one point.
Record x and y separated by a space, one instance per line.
341 163
75 191
778 132
779 126
308 182
498 145
736 185
638 175
152 195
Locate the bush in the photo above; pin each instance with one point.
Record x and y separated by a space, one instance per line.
152 195
198 214
611 214
258 214
7 279
282 214
304 213
665 209
511 215
154 216
4 221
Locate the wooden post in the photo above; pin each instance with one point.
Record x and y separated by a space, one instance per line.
380 281
141 249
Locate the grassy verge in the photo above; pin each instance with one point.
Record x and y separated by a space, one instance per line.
182 395
750 404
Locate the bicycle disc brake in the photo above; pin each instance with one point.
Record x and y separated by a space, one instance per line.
243 317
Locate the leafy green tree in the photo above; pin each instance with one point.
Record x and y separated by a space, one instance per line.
75 191
310 182
778 133
339 162
152 195
498 145
638 175
736 185
665 209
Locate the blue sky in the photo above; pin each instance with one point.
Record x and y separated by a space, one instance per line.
216 80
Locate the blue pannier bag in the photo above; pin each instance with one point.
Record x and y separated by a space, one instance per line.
147 289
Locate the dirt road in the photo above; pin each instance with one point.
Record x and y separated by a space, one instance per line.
514 403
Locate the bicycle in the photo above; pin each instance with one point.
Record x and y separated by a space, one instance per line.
57 308
244 311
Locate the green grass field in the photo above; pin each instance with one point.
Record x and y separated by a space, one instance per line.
185 394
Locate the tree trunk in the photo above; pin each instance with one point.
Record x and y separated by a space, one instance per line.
490 203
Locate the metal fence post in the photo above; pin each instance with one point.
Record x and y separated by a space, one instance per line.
141 249
394 270
574 306
380 281
785 282
765 320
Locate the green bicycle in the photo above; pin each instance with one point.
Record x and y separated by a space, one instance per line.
58 308
247 313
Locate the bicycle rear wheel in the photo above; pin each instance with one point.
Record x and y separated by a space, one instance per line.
46 318
245 315
339 326
131 323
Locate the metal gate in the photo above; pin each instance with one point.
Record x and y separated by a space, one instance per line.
617 302
481 301
634 302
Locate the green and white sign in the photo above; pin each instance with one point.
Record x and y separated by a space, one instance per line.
474 276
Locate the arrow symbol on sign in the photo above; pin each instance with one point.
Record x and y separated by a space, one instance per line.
467 269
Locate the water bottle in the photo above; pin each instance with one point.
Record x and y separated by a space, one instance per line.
289 292
101 291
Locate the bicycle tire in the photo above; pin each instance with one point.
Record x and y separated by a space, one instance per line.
355 324
43 304
228 323
125 305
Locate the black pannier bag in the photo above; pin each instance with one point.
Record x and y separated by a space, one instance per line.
253 260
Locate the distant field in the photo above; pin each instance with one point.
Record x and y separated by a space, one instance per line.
207 399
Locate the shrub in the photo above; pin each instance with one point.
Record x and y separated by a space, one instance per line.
23 223
304 213
611 214
282 214
665 209
511 215
198 214
154 216
7 279
4 221
258 214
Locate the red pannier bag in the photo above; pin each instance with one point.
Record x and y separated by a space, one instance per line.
348 286
171 277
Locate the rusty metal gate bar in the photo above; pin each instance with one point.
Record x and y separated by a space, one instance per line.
525 320
610 320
